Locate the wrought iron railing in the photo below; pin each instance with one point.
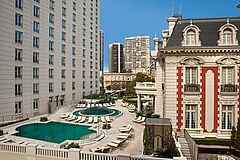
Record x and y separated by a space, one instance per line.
229 88
191 88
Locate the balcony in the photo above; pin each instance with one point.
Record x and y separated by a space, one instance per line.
191 88
145 88
229 89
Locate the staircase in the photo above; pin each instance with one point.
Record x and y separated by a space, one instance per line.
184 148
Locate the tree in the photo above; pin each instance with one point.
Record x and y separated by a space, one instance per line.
233 136
237 141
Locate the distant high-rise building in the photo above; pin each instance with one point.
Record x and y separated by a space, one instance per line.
50 51
101 52
116 58
137 54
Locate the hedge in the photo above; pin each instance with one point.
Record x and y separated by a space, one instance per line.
212 141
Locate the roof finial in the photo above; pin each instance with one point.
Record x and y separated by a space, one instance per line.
191 22
227 20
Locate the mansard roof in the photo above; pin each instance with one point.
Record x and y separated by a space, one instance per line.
209 34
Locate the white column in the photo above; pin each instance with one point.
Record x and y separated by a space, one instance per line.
139 102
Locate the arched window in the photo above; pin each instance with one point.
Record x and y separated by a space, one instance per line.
191 38
227 36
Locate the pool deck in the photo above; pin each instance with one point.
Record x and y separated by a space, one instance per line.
133 145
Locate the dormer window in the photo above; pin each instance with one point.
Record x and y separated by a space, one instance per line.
228 35
191 36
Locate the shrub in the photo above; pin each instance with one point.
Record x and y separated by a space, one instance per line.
155 116
43 119
9 123
1 132
233 136
72 145
139 113
104 126
213 141
108 126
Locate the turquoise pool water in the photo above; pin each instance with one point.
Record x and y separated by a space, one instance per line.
54 132
97 111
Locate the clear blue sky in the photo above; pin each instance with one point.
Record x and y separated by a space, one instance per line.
125 18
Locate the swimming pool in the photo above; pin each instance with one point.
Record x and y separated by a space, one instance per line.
98 111
54 132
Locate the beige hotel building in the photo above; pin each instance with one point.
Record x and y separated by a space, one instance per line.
49 54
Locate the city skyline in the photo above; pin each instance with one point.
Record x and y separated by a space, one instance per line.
145 18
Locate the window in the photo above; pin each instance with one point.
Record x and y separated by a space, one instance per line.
35 88
19 4
91 64
35 72
74 39
73 51
227 117
51 46
191 116
96 65
83 63
91 85
74 28
51 32
50 72
84 11
63 73
64 11
84 52
18 54
36 26
91 55
51 18
74 62
228 75
91 74
83 74
51 59
18 72
18 37
38 1
64 24
64 36
84 21
74 17
191 38
18 107
91 45
73 74
63 48
191 75
73 86
35 57
84 85
227 36
96 75
63 61
36 11
84 42
18 19
64 2
51 4
96 84
84 32
36 42
63 86
73 96
74 6
18 90
35 103
50 87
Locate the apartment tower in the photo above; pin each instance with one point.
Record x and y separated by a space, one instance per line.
116 58
49 54
137 54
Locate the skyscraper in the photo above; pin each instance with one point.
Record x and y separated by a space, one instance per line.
137 54
49 54
116 58
101 52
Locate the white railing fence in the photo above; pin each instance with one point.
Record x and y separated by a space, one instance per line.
35 152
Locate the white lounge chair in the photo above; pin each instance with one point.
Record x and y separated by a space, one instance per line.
103 119
108 119
142 120
82 120
73 118
78 119
90 119
137 119
115 143
126 129
68 118
66 115
95 119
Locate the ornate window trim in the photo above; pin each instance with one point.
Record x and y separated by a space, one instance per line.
229 27
196 30
228 61
192 61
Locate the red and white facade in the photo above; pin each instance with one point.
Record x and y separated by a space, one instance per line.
201 80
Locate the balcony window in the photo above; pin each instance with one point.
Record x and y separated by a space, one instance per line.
18 19
18 72
18 55
35 103
51 4
36 42
36 26
51 32
36 11
64 11
50 87
18 107
63 86
35 72
35 57
35 88
64 24
51 72
63 73
51 46
64 36
227 117
63 49
191 75
191 116
18 37
18 89
51 18
228 75
73 74
19 4
51 59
